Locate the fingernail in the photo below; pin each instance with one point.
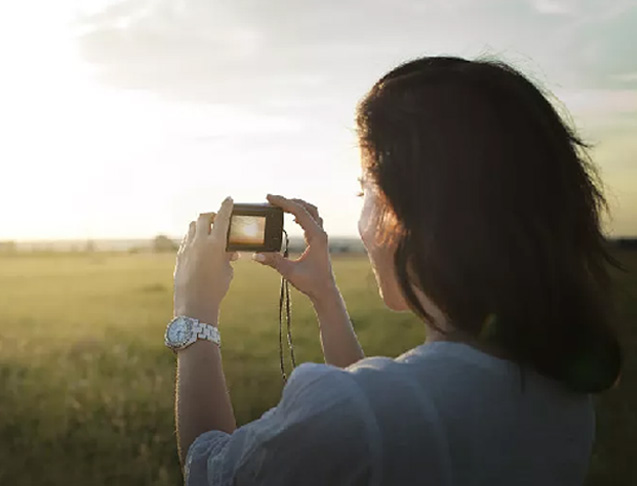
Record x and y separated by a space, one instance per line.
228 199
258 257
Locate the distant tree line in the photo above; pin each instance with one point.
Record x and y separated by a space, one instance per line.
164 244
8 247
625 243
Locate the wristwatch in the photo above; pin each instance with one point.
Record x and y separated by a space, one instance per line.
182 331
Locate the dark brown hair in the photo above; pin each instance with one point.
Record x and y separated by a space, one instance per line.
498 211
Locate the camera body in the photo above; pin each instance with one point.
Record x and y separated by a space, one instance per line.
255 227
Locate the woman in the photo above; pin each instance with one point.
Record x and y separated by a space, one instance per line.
481 216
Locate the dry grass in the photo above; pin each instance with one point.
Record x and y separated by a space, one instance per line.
87 385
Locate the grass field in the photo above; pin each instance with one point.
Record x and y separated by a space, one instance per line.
86 384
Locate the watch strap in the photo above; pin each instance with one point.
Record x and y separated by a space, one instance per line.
207 332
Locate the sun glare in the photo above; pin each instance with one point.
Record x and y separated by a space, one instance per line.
251 229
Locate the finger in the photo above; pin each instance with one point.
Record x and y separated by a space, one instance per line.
182 245
191 232
276 261
187 239
222 221
311 227
202 227
310 208
233 256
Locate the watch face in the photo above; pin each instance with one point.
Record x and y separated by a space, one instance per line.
179 332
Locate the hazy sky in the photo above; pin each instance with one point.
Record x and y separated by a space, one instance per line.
128 118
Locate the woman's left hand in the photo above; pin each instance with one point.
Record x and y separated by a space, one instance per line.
203 272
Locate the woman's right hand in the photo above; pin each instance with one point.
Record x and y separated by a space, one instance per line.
311 273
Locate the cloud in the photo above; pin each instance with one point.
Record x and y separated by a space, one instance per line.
601 102
247 52
315 60
206 51
554 7
596 47
592 9
601 114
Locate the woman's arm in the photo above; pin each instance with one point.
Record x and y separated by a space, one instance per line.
319 433
338 339
202 402
202 278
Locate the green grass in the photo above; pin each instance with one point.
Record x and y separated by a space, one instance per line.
86 385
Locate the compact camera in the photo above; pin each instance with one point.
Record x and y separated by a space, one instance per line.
255 227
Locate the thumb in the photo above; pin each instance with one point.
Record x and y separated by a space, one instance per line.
276 261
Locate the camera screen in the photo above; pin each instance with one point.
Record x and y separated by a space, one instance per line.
247 230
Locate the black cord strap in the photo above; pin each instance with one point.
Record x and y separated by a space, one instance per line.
285 294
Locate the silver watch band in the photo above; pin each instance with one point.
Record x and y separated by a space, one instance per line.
208 332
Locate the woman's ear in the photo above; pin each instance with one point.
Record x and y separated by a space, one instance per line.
389 228
391 290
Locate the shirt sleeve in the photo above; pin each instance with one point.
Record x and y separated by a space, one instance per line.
316 435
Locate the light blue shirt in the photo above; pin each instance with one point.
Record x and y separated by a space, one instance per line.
443 413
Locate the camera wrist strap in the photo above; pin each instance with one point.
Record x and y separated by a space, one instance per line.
285 295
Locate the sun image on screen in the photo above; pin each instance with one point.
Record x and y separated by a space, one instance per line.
247 230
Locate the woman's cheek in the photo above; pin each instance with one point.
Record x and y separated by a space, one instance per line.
365 226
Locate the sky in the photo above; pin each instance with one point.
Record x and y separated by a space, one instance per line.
126 119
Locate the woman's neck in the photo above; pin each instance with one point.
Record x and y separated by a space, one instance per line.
450 333
456 335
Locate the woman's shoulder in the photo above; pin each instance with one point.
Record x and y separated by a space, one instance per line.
310 372
317 383
311 375
322 385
